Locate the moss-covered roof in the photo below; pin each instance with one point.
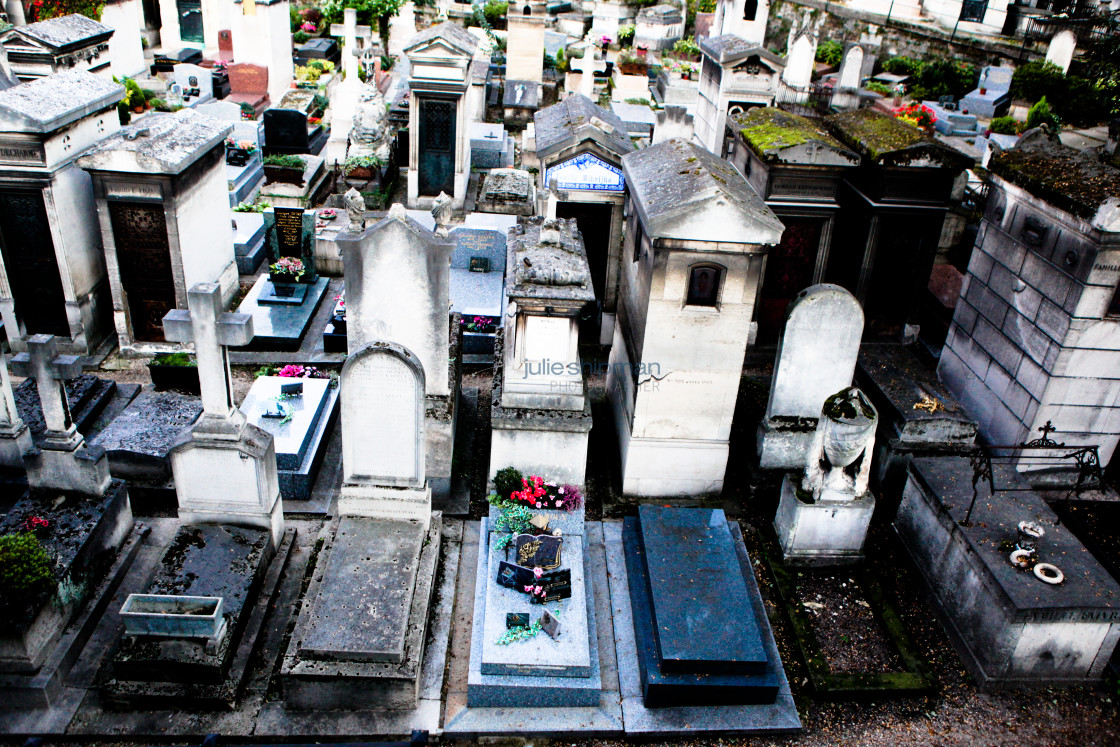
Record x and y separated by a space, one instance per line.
874 134
1075 181
768 131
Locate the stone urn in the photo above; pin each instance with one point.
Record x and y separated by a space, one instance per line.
846 430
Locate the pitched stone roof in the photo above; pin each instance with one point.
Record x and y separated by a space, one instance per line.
158 144
568 123
882 138
65 30
731 48
684 192
451 32
769 131
48 103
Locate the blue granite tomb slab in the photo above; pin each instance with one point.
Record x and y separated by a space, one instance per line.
268 295
281 327
248 241
244 180
702 616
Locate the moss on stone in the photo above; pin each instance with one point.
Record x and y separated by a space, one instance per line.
767 131
874 134
1071 180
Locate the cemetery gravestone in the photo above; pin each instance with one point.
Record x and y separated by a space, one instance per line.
285 132
816 358
196 82
15 436
248 84
991 97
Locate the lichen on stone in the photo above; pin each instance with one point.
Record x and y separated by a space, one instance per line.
767 131
874 134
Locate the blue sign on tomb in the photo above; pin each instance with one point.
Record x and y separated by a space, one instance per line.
585 171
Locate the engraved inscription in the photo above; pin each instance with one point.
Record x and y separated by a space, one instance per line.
289 232
380 428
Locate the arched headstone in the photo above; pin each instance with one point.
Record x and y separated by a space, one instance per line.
1061 48
816 358
383 417
851 68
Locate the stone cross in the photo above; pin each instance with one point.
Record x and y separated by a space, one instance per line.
212 331
50 370
351 32
9 415
587 66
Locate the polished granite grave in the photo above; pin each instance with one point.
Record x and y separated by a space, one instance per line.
698 640
248 242
300 441
280 326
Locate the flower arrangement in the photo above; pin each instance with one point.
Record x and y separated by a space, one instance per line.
245 145
340 306
477 324
35 524
294 371
536 493
290 266
328 214
309 27
917 115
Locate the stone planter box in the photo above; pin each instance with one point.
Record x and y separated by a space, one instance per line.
179 378
172 616
283 175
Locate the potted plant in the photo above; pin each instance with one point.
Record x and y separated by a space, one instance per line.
362 167
630 64
284 168
238 152
285 274
177 371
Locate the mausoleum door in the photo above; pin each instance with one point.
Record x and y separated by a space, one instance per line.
144 259
789 270
594 221
28 250
437 146
190 20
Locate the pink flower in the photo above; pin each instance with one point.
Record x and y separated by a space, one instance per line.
559 503
529 588
538 572
308 27
538 590
291 370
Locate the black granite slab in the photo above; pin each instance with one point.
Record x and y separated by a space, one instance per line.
702 615
206 561
996 517
87 396
671 689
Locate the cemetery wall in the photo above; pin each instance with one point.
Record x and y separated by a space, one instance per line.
1030 340
899 38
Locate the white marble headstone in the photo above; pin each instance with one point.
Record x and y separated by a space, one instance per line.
383 417
192 76
226 111
851 68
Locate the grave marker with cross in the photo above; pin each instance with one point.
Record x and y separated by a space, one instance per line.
351 34
50 370
212 331
587 66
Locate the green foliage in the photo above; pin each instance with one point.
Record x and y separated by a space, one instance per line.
495 11
879 87
1036 79
319 105
830 52
1006 126
1101 65
25 572
1040 114
361 162
301 37
640 102
124 114
182 360
626 35
285 161
41 10
506 481
133 94
370 13
687 47
902 65
294 19
252 207
248 112
944 77
706 6
562 60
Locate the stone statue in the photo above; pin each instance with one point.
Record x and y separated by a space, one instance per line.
441 211
845 431
369 117
355 209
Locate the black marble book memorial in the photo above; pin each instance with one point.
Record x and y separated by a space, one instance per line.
698 640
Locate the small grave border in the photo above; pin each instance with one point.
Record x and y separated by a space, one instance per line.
915 680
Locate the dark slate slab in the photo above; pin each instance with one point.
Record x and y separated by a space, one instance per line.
703 622
139 439
86 394
206 561
278 327
362 608
995 519
662 689
896 381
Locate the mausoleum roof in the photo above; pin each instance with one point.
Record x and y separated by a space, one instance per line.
453 33
547 261
684 192
159 144
46 104
770 132
65 31
730 48
892 142
568 123
1072 180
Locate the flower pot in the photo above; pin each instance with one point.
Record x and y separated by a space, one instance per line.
339 322
284 290
138 109
179 378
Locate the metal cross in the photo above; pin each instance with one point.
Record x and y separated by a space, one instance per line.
50 370
212 331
